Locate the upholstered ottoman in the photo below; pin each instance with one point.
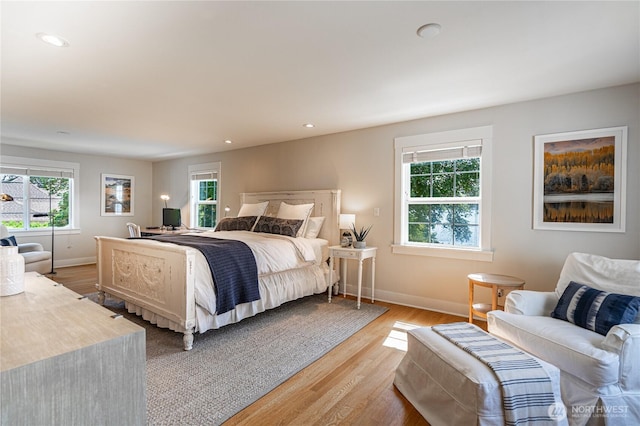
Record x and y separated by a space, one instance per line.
449 386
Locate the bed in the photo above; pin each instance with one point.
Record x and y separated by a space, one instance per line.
171 285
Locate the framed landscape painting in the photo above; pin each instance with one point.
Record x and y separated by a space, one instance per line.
117 195
580 180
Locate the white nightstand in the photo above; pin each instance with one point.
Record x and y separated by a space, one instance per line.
355 254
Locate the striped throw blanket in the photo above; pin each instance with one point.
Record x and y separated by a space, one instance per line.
527 393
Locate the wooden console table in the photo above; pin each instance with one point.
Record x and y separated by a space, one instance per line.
67 360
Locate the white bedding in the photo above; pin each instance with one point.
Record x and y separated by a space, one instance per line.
288 269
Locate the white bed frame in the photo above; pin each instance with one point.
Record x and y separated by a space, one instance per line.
159 280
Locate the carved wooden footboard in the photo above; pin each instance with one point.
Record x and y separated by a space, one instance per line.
157 279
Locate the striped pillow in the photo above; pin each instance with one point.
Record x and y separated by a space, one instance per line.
595 310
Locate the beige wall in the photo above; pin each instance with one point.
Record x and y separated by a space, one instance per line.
360 163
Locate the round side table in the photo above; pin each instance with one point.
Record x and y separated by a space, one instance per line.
495 282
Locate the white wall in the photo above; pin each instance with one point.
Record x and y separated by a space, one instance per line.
79 248
361 164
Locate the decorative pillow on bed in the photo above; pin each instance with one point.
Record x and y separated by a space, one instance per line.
9 241
244 223
314 225
274 225
253 209
595 310
296 211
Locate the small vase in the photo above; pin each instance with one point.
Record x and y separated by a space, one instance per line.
359 244
11 271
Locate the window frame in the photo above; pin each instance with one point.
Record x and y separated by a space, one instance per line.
435 141
49 166
195 170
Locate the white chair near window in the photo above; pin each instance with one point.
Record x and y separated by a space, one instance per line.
597 367
36 258
134 230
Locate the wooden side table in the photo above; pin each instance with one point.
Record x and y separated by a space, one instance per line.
357 254
495 282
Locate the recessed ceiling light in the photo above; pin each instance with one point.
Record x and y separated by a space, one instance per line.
309 125
53 40
429 30
228 141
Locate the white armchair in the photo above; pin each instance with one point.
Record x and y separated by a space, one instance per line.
600 375
36 258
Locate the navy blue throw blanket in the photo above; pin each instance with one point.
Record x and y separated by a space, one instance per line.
233 267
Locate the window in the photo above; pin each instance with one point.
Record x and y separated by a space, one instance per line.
38 193
443 194
205 190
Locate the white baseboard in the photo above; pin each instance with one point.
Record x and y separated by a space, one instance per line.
74 262
436 305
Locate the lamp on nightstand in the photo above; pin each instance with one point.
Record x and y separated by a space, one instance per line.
346 221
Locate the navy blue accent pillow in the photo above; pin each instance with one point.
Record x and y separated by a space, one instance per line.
9 241
242 223
274 225
595 310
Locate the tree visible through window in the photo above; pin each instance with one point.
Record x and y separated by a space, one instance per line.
443 202
207 203
204 194
37 201
443 194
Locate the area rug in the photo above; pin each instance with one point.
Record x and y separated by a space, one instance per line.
230 368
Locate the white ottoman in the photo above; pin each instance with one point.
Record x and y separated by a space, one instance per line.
448 386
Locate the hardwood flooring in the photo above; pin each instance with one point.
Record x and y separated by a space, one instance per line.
351 385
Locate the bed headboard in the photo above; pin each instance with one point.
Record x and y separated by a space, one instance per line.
326 202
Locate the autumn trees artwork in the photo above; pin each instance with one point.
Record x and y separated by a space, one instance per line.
580 180
579 167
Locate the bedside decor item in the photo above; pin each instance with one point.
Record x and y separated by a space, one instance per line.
11 271
346 220
580 180
360 236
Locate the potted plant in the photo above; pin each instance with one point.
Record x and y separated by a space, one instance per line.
360 236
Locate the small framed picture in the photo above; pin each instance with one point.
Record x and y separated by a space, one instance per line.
580 180
117 195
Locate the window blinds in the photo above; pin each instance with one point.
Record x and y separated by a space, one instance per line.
35 171
204 175
423 154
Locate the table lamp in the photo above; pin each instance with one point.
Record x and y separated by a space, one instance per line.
346 220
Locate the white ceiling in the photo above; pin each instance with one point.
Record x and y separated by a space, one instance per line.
159 80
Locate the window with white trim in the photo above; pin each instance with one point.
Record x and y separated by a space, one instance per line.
38 194
205 190
443 194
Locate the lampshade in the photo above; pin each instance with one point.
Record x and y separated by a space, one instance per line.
165 197
346 220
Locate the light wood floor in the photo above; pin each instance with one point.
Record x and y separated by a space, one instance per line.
351 385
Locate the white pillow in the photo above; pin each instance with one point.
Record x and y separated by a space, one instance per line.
296 211
313 227
253 209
